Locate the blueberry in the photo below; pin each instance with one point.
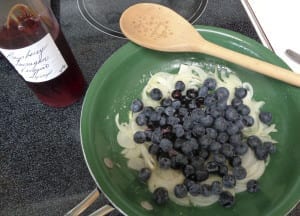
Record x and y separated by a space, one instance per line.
172 153
201 175
164 162
210 83
214 146
179 161
228 181
211 132
155 94
194 189
222 137
252 186
253 141
139 137
187 124
239 172
169 111
243 109
153 149
219 158
205 141
179 85
166 145
240 92
210 100
232 129
186 148
220 124
160 195
148 134
222 94
188 183
166 102
216 187
191 93
222 105
236 138
180 191
176 94
231 114
196 114
141 119
236 102
137 105
172 120
212 167
223 170
176 104
188 135
163 121
156 136
248 121
154 118
203 154
227 150
144 174
226 199
265 117
194 143
174 165
203 91
178 130
215 112
235 161
178 143
206 120
160 110
197 162
192 104
198 130
241 148
182 111
239 122
148 111
261 152
205 190
188 170
271 147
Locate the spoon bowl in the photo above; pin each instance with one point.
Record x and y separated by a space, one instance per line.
159 28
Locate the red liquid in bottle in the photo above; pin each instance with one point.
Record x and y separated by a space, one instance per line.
64 89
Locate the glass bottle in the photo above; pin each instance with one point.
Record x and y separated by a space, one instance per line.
32 41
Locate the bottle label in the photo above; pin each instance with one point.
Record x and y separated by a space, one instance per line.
39 62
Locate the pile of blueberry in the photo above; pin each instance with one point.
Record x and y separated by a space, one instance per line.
199 134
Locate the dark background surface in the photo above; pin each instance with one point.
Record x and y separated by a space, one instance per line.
42 169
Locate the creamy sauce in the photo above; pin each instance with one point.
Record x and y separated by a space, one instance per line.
193 77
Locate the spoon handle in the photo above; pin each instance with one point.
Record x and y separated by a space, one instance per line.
251 63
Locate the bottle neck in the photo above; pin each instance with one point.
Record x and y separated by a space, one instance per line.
26 23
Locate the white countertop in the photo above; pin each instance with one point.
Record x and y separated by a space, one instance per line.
277 24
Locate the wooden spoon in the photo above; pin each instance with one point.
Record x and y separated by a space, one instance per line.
157 27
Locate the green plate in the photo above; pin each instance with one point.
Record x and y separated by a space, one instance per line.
122 78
